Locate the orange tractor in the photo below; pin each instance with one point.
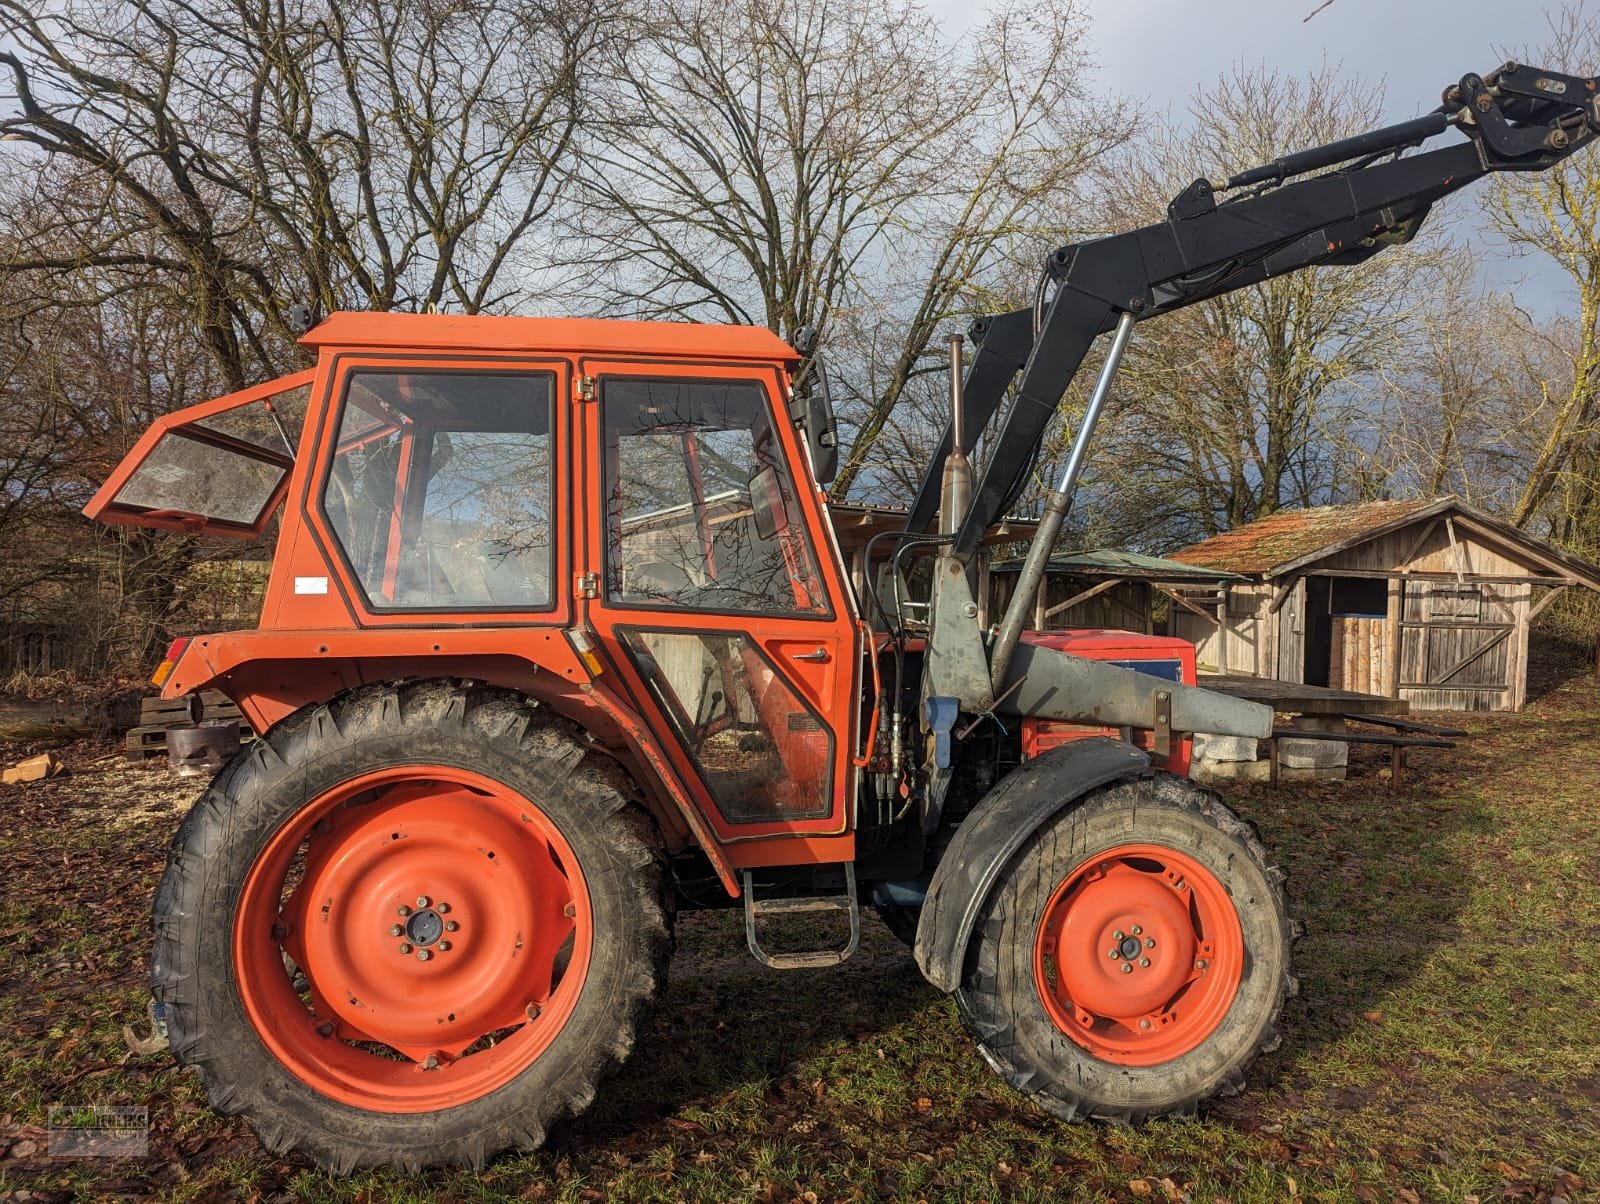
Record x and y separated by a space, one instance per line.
559 635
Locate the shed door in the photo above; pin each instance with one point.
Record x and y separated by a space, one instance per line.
1455 645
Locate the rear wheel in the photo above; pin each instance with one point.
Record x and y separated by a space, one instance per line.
1135 957
413 926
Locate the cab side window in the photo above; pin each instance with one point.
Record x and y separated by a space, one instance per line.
700 506
441 488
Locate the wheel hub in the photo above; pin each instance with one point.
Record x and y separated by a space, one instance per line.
467 983
1139 954
424 927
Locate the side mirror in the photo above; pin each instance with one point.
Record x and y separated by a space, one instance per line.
766 504
813 405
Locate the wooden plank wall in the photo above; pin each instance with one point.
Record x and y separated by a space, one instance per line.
1124 607
1356 661
1240 645
1438 628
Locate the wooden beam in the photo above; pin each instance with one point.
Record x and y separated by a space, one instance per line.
1278 599
1550 597
1416 545
1091 592
1527 552
1455 550
1470 578
1391 649
1184 602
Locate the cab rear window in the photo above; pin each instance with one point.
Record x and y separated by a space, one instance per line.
219 468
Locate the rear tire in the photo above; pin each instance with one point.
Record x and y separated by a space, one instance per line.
482 828
1067 988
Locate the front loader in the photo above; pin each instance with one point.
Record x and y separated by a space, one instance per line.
560 636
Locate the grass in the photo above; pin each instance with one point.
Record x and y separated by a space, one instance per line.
1442 1046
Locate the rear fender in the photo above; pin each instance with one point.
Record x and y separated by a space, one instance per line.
990 836
272 674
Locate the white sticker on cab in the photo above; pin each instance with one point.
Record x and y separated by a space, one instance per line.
310 585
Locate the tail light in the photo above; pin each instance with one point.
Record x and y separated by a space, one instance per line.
175 651
587 652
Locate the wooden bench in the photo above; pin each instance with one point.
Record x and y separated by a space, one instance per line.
1397 745
157 714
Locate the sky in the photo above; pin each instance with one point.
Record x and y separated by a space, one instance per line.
1163 51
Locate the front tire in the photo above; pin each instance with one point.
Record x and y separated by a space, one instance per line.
413 926
1134 958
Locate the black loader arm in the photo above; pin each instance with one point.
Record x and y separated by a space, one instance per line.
1516 118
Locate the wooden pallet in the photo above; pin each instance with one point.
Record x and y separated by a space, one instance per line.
156 715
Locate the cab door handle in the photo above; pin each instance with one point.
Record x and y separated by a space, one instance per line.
817 656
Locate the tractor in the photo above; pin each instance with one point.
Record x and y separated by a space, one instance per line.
560 637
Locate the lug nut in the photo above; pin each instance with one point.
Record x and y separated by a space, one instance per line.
533 1010
442 908
396 930
1113 954
1144 1024
451 925
1116 934
444 946
422 900
1149 942
423 955
324 1029
404 948
1144 961
1200 964
1127 967
570 910
404 911
1137 930
280 931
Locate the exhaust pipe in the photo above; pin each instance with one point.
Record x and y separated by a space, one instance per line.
955 488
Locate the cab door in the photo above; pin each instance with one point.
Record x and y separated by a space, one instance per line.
704 551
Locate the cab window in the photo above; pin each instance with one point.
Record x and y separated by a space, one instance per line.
440 493
700 506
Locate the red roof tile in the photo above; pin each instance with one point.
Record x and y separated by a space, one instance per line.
1291 535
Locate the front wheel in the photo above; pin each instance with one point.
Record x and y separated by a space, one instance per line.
1134 958
413 926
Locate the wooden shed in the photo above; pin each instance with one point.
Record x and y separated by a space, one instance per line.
1429 601
1108 588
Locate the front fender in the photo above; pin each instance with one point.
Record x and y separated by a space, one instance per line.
997 827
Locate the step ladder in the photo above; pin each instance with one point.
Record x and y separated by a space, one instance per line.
810 959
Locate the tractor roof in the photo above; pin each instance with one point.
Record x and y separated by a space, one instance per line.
592 336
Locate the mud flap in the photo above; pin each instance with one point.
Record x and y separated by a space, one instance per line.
999 825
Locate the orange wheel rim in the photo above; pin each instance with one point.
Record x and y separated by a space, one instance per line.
1139 954
413 939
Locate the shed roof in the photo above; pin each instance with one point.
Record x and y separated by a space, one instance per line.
1110 562
1291 539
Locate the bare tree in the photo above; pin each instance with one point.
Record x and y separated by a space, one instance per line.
1556 214
832 166
344 153
1243 404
